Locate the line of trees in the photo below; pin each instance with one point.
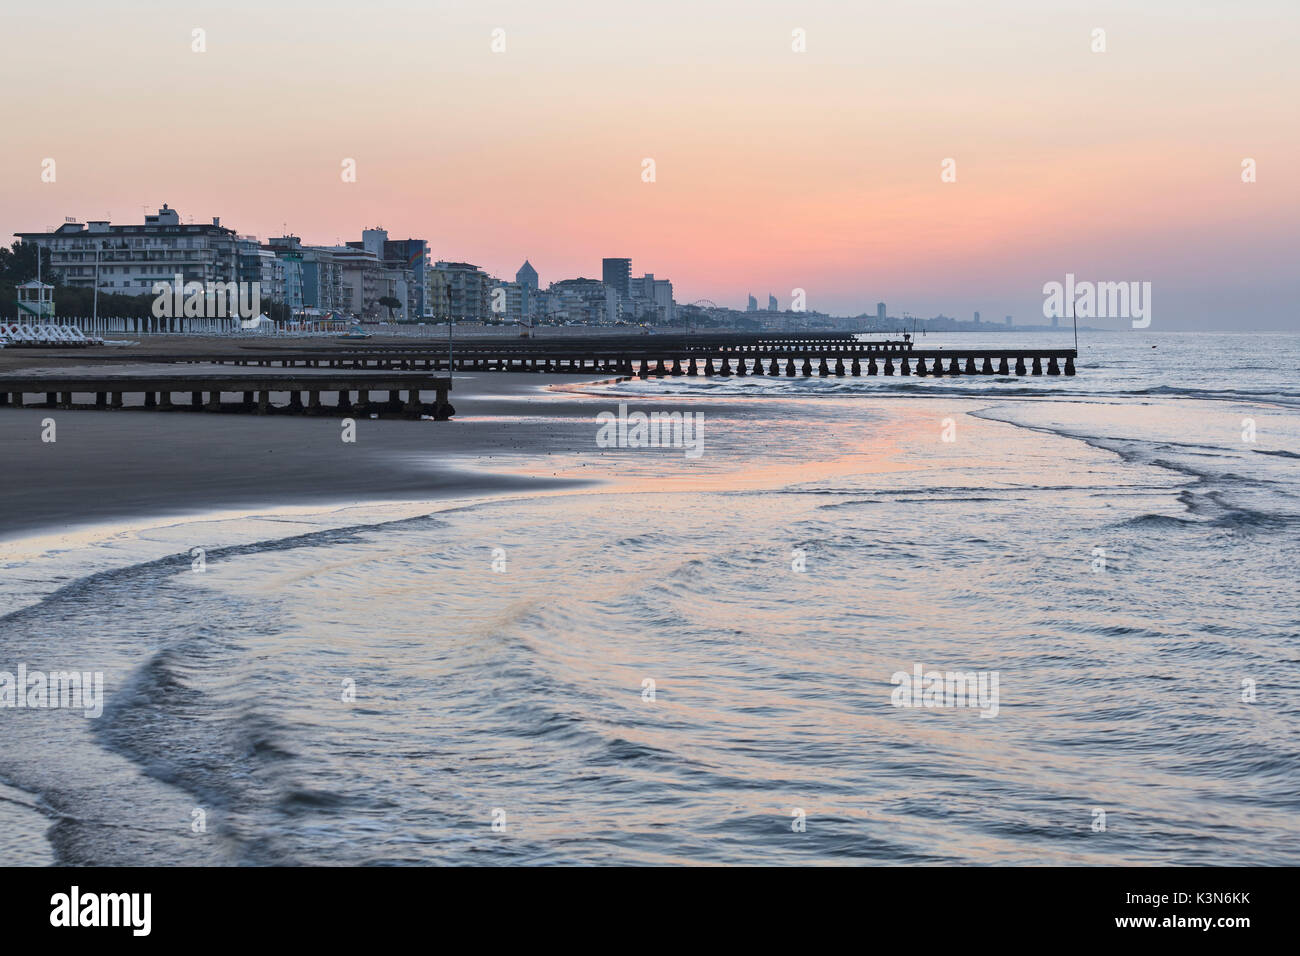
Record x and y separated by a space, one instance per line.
18 265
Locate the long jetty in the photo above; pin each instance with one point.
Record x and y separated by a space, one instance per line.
204 391
298 374
652 355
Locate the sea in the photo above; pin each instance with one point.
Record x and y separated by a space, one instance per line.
742 657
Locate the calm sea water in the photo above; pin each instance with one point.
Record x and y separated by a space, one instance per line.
1114 547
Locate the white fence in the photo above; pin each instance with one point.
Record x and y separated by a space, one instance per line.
142 326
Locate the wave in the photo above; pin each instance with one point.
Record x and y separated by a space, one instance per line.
971 387
1157 521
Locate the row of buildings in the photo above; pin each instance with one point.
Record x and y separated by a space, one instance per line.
374 278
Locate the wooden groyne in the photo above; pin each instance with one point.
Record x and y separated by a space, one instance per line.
389 394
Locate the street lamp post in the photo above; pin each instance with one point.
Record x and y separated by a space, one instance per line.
95 312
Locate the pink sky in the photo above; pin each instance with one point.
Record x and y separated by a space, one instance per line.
774 169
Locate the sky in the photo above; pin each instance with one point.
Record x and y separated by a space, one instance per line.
774 169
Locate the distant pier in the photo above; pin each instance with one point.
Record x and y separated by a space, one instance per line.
649 356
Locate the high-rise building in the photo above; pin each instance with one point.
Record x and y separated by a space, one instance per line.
752 306
288 253
584 302
438 294
616 273
313 280
880 312
651 299
409 259
372 240
518 303
527 276
411 256
469 291
522 294
1008 320
363 281
771 303
256 264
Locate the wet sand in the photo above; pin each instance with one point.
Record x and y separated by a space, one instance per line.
512 433
132 464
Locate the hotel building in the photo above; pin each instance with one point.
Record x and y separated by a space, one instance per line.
130 259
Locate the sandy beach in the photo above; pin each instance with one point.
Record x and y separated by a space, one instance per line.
131 464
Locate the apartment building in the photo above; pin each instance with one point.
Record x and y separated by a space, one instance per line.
650 299
584 302
468 291
129 259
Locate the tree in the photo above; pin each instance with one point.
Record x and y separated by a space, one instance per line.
18 263
390 304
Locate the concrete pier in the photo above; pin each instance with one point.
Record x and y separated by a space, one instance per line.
646 356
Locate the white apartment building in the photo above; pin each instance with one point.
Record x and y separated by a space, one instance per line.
128 260
468 290
651 299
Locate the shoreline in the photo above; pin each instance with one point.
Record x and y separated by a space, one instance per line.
152 469
220 467
95 474
24 828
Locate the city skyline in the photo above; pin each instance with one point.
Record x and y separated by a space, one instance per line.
415 253
773 169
